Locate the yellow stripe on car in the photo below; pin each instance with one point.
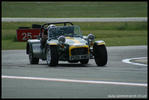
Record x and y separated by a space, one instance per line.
101 43
52 43
74 40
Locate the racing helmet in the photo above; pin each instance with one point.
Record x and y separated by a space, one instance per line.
51 26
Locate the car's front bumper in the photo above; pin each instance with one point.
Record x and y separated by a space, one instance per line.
79 57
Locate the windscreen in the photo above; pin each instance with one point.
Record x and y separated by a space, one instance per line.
71 31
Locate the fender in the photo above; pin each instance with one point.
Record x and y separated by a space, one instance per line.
101 42
35 46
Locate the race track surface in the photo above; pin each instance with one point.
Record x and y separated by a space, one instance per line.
69 80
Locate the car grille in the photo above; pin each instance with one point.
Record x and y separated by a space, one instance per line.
79 51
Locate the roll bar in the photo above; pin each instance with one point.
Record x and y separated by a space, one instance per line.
65 23
42 26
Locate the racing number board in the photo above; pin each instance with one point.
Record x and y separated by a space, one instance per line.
25 34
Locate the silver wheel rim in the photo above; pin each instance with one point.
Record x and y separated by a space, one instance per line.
48 56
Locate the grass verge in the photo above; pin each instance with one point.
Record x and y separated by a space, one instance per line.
74 9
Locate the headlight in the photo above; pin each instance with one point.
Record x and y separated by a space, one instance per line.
91 37
61 40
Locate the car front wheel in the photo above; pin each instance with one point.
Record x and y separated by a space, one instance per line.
100 55
52 56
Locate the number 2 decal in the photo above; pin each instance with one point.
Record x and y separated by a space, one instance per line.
26 36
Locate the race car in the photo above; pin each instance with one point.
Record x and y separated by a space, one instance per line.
63 41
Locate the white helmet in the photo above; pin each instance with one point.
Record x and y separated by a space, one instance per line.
51 26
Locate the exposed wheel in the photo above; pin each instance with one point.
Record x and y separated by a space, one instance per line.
100 54
84 61
32 59
52 56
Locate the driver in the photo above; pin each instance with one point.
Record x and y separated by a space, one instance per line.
51 26
45 35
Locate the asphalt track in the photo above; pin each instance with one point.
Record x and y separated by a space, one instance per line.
118 19
68 80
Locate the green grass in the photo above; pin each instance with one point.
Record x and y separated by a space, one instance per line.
114 34
74 9
12 45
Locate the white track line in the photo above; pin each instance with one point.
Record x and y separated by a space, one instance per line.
76 81
134 63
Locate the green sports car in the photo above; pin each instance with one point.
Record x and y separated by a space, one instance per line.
63 41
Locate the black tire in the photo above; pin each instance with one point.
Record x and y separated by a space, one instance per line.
52 56
100 54
32 59
84 61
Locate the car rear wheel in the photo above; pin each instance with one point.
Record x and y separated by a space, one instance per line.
52 56
100 54
32 59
